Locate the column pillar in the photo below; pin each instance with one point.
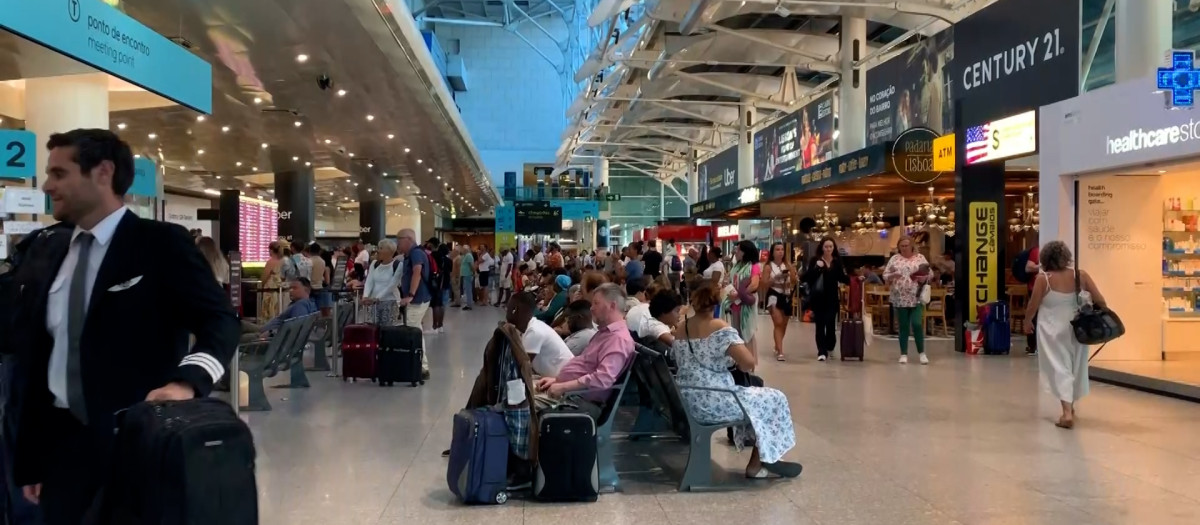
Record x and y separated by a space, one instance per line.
229 227
852 91
693 178
61 104
745 145
297 204
601 173
372 219
1144 35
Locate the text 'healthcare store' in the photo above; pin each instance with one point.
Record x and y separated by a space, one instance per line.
1120 184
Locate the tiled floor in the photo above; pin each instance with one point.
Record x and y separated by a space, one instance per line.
964 440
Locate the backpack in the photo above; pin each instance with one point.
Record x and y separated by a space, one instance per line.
9 288
435 274
676 264
1018 267
395 265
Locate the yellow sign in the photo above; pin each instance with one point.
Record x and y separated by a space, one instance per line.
505 240
983 268
943 153
1005 138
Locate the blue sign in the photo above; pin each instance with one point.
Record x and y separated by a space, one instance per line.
145 178
577 210
18 154
1181 80
97 34
506 219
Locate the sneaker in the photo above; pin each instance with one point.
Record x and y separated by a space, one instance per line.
820 358
1029 352
441 330
904 360
924 358
465 308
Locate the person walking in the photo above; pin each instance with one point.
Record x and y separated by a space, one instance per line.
1055 301
782 276
742 291
103 326
905 273
825 271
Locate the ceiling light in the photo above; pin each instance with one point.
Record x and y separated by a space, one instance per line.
199 152
137 156
264 145
327 141
121 126
257 100
307 163
247 184
239 163
218 177
370 118
152 136
355 184
419 161
391 136
430 170
385 174
369 165
341 92
406 150
298 123
368 190
254 168
200 118
1162 171
351 154
183 168
224 129
301 58
212 192
439 177
294 159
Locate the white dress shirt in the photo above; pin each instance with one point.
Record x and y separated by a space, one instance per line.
549 351
60 294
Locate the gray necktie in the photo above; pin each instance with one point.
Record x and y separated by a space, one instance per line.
76 316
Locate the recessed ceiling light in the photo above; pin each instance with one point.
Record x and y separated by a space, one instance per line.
137 156
247 184
200 118
327 141
419 161
370 118
341 92
121 126
406 150
385 174
369 165
301 58
199 152
254 168
331 193
368 190
294 159
351 154
264 145
218 177
439 177
391 136
224 129
257 100
1162 171
298 123
430 170
307 163
355 184
183 168
152 136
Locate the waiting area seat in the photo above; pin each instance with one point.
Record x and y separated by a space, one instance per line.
282 351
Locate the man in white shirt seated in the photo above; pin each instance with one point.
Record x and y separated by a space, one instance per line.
639 291
664 315
549 351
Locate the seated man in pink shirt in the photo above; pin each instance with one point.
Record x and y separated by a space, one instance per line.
601 363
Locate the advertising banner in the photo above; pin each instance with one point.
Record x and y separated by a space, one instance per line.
795 142
1016 55
718 174
912 90
862 163
982 247
506 219
1005 138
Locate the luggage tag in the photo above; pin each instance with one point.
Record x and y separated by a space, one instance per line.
516 392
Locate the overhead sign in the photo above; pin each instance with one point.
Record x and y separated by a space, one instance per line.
610 197
1016 55
18 154
534 217
912 156
728 231
718 175
24 200
795 142
1180 80
95 33
910 90
145 178
749 195
943 153
1005 138
982 246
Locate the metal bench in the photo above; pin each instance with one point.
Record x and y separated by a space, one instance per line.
323 337
293 360
263 359
605 450
654 373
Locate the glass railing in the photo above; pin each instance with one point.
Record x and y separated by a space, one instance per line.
550 193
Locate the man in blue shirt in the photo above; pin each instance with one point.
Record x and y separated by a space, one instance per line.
302 305
415 293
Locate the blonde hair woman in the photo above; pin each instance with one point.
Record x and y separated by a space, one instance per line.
905 273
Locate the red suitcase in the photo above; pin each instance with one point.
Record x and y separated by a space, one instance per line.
854 302
360 342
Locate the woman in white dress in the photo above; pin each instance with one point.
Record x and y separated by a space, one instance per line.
708 348
1063 360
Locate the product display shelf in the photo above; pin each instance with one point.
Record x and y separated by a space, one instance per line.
1180 278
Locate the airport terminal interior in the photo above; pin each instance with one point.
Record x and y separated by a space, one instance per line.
949 248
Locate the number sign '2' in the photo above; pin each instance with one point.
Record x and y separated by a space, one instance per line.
18 154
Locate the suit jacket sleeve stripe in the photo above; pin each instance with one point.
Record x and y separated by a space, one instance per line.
207 362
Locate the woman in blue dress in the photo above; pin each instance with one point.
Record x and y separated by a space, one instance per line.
704 355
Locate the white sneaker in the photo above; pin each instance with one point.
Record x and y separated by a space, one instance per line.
904 360
924 360
820 358
441 330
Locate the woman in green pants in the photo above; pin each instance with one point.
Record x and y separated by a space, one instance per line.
905 272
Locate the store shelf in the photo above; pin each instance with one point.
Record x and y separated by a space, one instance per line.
1180 314
1180 254
1181 273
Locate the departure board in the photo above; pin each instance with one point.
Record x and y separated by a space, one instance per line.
257 229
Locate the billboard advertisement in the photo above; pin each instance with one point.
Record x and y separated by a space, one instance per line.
912 91
795 142
718 174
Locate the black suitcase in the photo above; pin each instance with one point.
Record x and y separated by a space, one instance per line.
182 463
399 356
853 338
567 469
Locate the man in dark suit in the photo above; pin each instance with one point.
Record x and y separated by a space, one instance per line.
105 309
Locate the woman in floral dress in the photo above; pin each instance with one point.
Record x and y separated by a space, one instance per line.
704 355
905 273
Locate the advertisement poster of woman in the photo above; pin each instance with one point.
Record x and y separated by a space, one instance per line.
911 90
798 141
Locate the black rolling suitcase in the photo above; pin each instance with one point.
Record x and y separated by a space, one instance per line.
567 469
182 463
399 356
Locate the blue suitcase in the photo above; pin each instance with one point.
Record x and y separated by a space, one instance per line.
997 339
478 470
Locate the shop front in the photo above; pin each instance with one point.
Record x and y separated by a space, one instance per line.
1120 184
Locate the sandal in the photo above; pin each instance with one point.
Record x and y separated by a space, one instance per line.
779 357
1065 424
761 474
784 469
